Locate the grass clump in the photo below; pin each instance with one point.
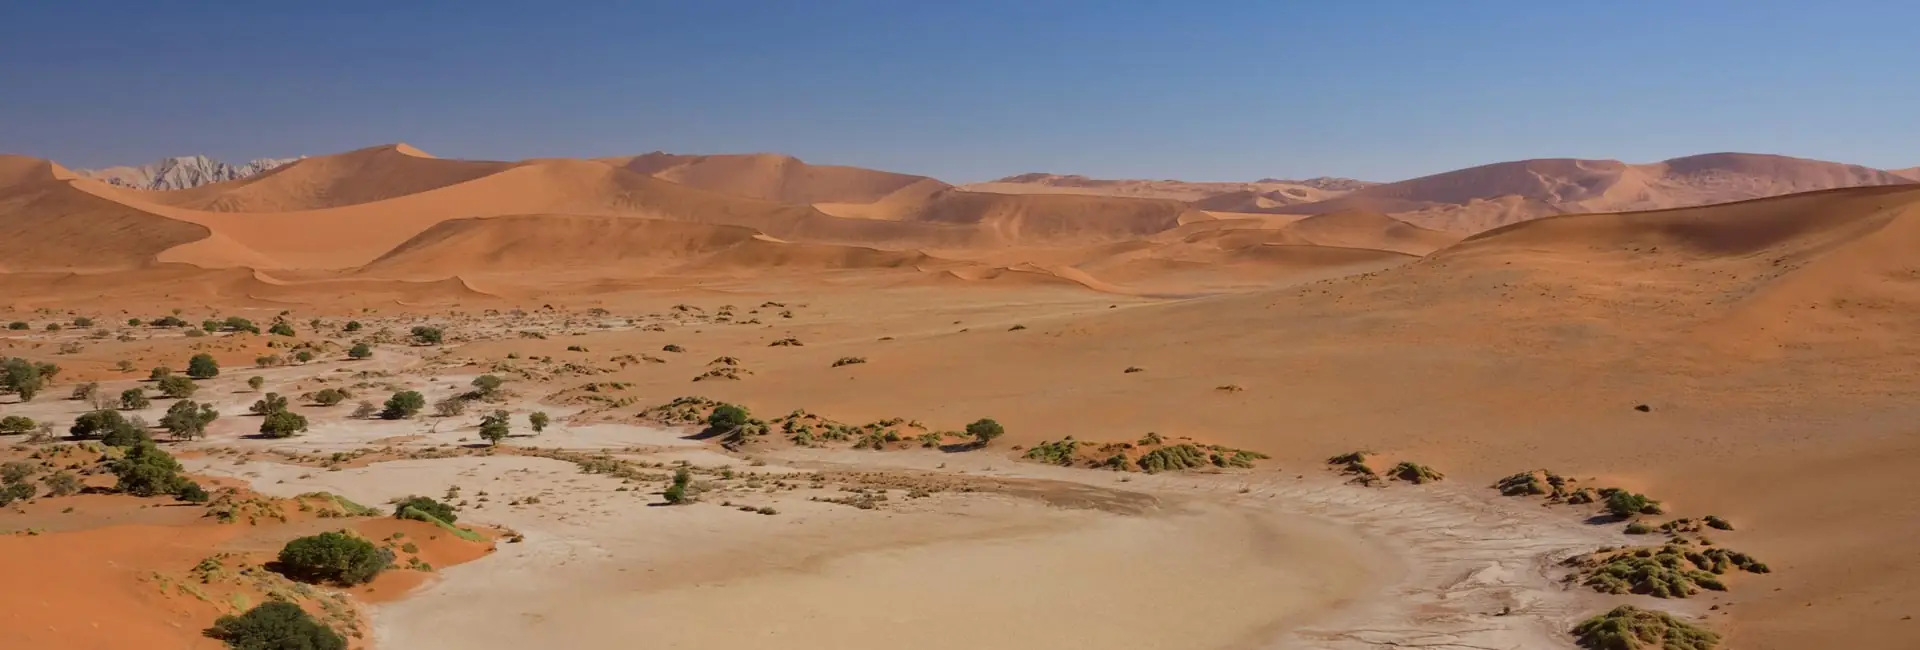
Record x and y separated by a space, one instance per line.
1060 453
1670 571
1622 503
1630 628
421 508
1172 458
848 361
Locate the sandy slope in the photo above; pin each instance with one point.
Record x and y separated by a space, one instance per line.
1479 198
1212 196
773 177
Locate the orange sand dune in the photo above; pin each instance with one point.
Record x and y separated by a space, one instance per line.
612 247
773 177
351 178
1030 218
1230 196
48 224
1478 198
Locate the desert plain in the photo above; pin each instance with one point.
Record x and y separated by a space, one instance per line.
1171 371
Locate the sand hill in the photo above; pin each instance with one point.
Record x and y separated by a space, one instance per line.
1910 173
774 177
1478 198
1227 196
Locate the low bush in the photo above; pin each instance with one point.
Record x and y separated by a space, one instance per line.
1630 628
333 557
403 405
1622 503
275 625
848 361
282 424
1172 458
415 506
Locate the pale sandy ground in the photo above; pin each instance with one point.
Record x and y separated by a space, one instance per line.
1266 559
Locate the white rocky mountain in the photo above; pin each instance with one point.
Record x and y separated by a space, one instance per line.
181 172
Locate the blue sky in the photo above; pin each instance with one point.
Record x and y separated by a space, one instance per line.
968 91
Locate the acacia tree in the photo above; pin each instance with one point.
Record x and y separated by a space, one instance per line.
985 430
495 427
202 366
187 420
178 387
538 420
22 378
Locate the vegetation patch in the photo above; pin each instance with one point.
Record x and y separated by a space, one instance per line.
1630 628
1670 571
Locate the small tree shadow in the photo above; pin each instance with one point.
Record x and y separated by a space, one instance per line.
961 447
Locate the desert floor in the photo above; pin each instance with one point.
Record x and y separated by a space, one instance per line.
978 548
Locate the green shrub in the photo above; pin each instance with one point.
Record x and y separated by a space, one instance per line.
187 420
134 399
191 492
275 625
82 321
414 506
1622 503
403 405
849 361
1718 523
538 420
255 382
269 404
96 425
18 325
334 557
670 347
330 396
281 328
1630 628
360 351
1054 453
677 493
487 386
282 424
15 424
426 335
202 366
22 377
985 430
303 356
495 427
353 326
147 471
1172 458
178 387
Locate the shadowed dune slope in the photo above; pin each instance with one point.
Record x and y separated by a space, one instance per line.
23 170
1030 218
772 177
50 225
611 246
1479 198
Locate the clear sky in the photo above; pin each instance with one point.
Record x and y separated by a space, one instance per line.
971 90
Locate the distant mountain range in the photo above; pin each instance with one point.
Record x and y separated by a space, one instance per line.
180 173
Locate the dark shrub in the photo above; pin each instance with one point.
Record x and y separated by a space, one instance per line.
147 471
984 430
334 557
202 366
426 335
425 505
275 625
403 405
283 424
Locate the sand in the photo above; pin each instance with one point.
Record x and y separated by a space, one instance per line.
1768 340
